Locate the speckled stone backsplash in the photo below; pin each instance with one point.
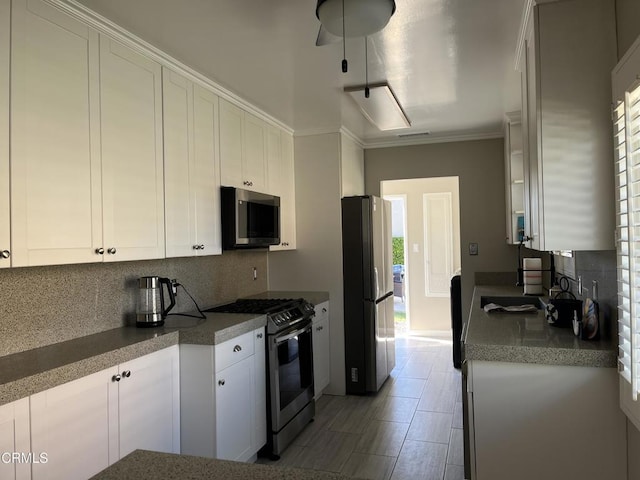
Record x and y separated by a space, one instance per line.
44 305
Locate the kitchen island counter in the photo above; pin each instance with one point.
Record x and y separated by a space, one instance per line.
146 465
527 337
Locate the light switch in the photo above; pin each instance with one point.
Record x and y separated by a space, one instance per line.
473 249
416 248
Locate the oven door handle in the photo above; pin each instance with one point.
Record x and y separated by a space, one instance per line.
278 340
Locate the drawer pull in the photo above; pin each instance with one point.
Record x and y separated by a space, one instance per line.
221 383
259 335
324 310
116 378
237 348
126 373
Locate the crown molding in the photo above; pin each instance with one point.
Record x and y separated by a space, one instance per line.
107 27
463 137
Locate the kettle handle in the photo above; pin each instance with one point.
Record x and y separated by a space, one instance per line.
172 297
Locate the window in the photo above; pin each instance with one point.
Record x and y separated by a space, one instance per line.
626 131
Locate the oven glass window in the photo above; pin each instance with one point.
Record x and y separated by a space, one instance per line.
295 367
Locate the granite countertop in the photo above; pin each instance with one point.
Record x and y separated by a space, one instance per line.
527 337
146 465
32 371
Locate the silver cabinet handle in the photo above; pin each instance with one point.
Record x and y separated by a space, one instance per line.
126 373
5 254
221 382
259 335
324 310
201 247
196 247
116 378
100 251
112 251
237 348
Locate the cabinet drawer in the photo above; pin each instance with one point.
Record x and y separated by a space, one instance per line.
234 350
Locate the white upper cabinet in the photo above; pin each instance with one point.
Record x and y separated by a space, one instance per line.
282 183
191 168
570 51
243 160
55 161
5 41
514 177
132 163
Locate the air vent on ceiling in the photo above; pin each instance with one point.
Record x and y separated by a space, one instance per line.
417 134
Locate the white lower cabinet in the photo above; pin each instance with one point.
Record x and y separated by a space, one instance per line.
149 403
85 425
14 440
76 425
545 421
321 347
223 398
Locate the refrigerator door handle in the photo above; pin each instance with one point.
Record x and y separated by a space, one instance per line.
377 279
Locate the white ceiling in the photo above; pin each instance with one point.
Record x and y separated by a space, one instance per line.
449 62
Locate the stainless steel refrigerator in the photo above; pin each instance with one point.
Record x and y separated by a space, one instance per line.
368 293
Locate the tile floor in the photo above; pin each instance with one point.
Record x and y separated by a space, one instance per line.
411 429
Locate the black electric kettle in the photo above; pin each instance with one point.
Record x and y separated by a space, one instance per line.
150 310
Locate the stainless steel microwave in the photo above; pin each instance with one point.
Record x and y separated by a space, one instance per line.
249 219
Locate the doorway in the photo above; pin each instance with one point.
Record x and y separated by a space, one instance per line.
430 231
399 255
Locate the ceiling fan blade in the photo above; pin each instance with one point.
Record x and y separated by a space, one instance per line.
325 38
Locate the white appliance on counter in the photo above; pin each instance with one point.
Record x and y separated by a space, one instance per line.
368 293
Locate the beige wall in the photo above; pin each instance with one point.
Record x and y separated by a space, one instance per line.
628 24
44 305
316 264
479 165
425 313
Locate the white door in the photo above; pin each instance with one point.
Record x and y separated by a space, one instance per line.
231 147
132 163
55 159
14 437
205 181
5 239
438 242
234 410
149 403
74 424
177 95
260 391
254 165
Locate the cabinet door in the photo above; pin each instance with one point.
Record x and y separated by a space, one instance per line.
321 364
5 246
177 94
131 121
14 437
282 183
533 166
231 138
254 165
149 403
205 181
74 424
260 391
55 164
234 406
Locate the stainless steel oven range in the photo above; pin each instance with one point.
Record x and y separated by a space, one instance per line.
289 361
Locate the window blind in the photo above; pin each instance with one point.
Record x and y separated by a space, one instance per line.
626 118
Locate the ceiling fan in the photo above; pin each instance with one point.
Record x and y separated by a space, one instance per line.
340 19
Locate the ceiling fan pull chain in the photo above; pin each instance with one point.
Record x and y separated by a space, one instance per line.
366 69
345 66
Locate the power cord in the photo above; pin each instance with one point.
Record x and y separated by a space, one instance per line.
202 315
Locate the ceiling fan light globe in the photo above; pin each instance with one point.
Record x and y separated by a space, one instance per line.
361 17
